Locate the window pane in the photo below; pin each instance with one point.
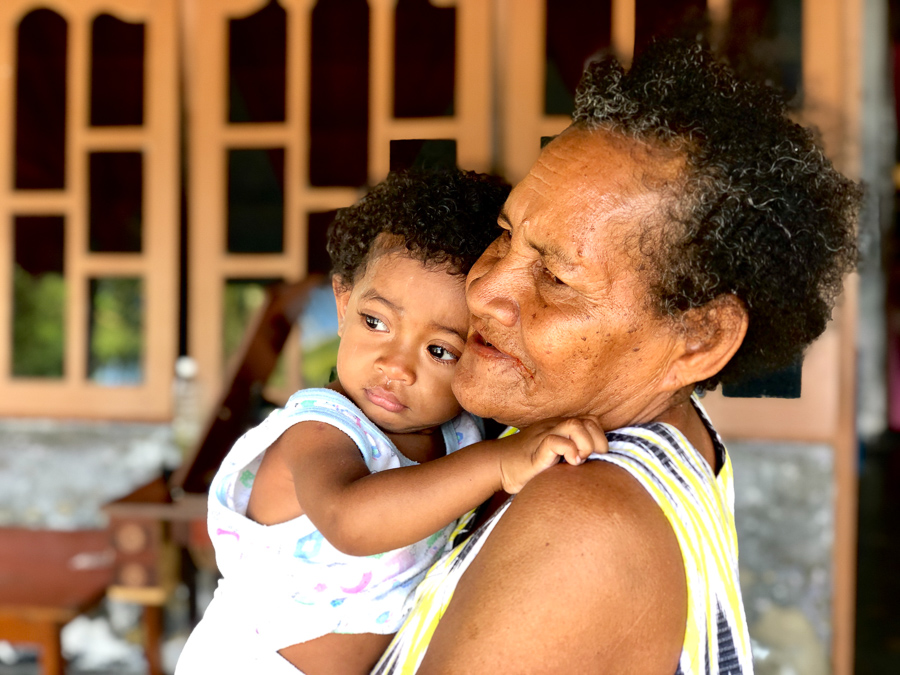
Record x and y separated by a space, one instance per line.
424 59
667 18
116 350
41 101
436 153
117 72
576 30
116 195
765 36
39 297
257 58
339 93
256 201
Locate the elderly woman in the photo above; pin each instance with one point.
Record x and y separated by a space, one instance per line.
680 234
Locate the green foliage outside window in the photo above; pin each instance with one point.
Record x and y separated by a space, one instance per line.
39 304
117 336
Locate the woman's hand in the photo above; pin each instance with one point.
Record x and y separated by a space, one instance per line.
529 452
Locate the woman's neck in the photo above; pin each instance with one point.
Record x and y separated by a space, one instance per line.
684 417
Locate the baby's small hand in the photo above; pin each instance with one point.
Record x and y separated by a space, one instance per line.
543 445
574 439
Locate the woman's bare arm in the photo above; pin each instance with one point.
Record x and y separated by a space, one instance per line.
582 574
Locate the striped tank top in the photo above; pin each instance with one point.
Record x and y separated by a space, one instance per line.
699 506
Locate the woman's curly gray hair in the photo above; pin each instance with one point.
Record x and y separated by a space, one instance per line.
759 212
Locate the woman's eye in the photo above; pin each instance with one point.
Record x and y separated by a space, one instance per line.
552 278
373 323
442 353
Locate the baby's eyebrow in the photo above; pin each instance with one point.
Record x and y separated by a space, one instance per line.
372 294
448 329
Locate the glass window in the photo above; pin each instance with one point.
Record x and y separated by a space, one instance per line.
116 330
39 297
256 201
257 66
41 102
117 72
116 202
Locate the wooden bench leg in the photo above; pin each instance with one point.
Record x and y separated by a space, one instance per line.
51 658
153 630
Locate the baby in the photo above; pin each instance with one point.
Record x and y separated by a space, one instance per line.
320 544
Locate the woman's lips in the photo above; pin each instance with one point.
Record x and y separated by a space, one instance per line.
480 346
384 399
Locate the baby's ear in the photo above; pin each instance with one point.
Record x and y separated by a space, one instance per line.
341 299
711 335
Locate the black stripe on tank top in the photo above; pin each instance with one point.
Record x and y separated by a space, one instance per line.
650 475
729 663
475 537
657 451
665 431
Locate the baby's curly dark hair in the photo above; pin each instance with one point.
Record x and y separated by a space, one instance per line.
759 211
446 217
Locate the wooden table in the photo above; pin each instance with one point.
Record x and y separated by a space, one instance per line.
47 578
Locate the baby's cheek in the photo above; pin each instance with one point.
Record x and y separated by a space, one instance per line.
442 399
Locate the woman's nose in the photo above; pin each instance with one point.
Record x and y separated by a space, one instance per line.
396 364
489 290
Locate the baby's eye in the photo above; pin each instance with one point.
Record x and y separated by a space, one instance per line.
442 353
374 323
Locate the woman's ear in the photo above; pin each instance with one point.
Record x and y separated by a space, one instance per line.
710 336
341 299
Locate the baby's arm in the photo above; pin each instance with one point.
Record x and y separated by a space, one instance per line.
363 513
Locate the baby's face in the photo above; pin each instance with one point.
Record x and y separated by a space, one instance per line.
403 327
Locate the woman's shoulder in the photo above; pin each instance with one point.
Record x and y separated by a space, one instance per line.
599 499
597 506
582 557
652 513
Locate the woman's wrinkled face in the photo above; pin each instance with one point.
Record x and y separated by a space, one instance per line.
561 320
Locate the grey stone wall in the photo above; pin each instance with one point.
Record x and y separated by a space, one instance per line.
784 513
57 474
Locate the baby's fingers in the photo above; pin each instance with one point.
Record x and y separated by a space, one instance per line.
598 437
585 436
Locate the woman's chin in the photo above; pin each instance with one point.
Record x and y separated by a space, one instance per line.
484 398
473 393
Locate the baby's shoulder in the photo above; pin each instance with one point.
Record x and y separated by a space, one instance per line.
468 428
319 401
